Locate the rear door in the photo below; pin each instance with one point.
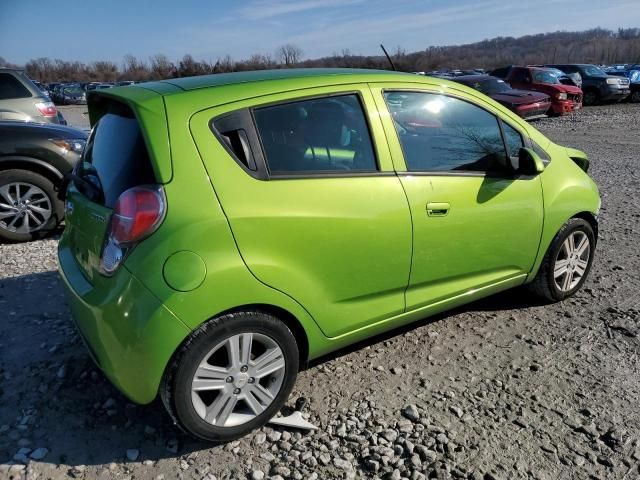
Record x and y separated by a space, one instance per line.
476 225
316 209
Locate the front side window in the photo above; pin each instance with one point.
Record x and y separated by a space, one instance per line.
513 140
441 133
322 135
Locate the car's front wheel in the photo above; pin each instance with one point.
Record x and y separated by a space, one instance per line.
591 97
231 376
29 206
635 96
567 262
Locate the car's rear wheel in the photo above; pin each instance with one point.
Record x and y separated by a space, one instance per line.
29 206
567 262
231 376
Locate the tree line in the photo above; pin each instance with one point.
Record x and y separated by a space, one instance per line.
599 46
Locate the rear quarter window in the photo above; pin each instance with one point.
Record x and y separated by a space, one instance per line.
117 151
11 87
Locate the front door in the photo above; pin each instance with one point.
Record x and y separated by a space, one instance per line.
475 223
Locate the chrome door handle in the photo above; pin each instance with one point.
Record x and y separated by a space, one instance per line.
437 209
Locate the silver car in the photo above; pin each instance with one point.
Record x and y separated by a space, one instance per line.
21 100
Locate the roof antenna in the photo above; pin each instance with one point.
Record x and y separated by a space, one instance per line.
388 58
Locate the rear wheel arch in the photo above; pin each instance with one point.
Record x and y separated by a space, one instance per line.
285 317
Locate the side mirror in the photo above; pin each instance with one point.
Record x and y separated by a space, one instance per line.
529 163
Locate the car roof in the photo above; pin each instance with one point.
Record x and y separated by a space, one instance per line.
223 79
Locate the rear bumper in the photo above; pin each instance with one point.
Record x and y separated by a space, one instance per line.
129 333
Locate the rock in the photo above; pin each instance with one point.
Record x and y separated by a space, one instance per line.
62 372
133 454
411 412
274 436
39 453
389 435
342 464
257 475
457 411
149 430
259 438
281 470
396 370
372 465
108 404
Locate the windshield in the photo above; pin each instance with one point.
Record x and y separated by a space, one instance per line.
541 76
73 91
491 86
593 71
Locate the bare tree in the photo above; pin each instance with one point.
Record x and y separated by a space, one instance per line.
161 67
289 54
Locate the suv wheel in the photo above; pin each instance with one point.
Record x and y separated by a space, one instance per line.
635 96
231 376
567 262
29 206
590 97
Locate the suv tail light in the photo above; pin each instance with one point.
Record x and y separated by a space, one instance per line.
138 213
47 109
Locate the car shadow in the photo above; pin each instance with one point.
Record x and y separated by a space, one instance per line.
53 396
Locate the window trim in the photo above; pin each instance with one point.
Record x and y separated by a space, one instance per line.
457 173
263 172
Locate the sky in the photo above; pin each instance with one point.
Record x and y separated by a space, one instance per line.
89 30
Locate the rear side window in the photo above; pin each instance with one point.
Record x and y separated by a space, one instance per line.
11 87
440 133
321 135
117 152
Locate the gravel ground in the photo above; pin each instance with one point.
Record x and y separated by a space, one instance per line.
501 389
75 115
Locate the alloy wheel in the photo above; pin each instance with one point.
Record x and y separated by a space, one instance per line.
238 379
572 261
24 207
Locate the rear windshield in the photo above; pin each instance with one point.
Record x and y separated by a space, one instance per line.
118 153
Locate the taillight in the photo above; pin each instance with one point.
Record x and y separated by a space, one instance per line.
138 213
47 109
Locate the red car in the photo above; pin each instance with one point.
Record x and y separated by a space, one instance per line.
564 98
525 103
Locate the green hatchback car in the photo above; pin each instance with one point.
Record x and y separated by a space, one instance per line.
223 230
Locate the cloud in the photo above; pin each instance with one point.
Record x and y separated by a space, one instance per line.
262 9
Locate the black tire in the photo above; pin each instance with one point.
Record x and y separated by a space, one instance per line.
635 96
544 284
7 232
176 392
590 97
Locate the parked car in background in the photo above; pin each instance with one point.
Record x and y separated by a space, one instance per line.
526 103
214 301
73 95
597 86
124 83
34 157
564 98
565 78
634 84
22 100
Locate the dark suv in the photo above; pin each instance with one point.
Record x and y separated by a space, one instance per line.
597 86
34 158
